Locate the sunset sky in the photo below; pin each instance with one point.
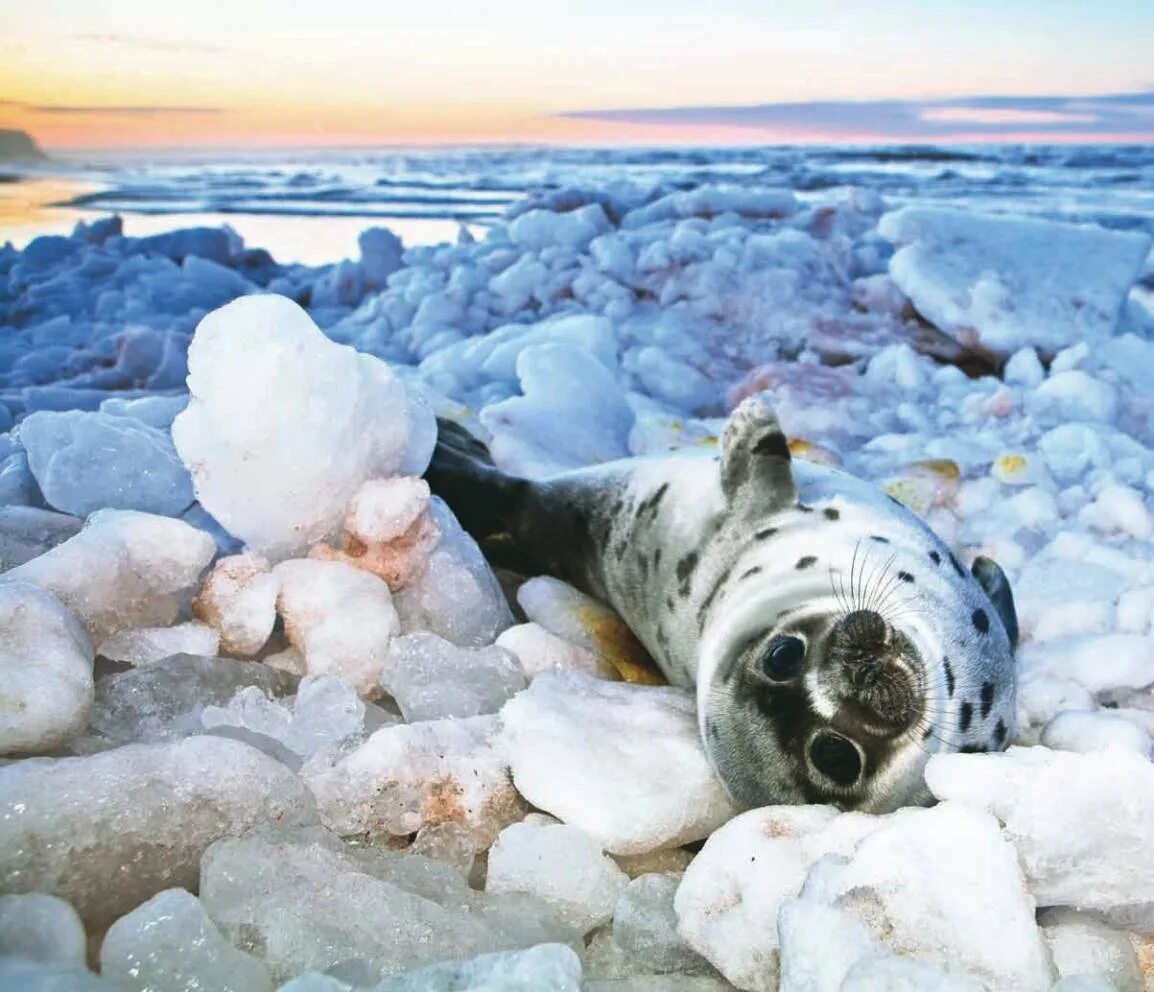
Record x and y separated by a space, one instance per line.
147 74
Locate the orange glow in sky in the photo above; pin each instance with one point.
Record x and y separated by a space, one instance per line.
266 73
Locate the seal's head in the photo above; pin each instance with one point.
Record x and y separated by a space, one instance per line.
809 693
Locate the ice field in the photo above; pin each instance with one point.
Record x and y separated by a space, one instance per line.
270 720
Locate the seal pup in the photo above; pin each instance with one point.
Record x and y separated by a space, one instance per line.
834 641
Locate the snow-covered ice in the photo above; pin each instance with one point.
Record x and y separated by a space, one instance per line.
431 678
46 683
41 927
339 617
991 372
141 815
276 472
415 775
1004 283
562 865
124 569
600 756
169 942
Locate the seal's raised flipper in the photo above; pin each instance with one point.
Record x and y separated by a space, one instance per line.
755 458
483 498
995 584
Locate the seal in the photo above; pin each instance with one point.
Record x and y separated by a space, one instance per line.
833 640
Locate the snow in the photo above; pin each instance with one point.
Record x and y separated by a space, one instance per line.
316 638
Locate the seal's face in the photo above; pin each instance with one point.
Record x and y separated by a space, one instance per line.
844 708
824 707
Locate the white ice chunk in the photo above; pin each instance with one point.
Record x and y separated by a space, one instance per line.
93 461
820 945
164 700
41 927
563 866
238 599
326 712
143 645
1083 945
45 671
304 900
36 976
729 899
413 775
1006 283
169 944
284 425
540 650
457 596
27 532
600 755
431 679
924 883
1130 660
125 824
572 414
1095 731
1082 823
124 569
551 967
645 926
539 229
339 617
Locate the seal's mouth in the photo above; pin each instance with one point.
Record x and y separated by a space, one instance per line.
874 673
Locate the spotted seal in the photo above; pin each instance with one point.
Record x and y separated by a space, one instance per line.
834 641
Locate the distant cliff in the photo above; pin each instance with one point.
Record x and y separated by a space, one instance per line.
18 145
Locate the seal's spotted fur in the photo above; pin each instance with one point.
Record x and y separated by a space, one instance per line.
834 641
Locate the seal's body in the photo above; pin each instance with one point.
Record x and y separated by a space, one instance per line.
833 640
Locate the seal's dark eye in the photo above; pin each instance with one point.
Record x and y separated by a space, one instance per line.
835 757
783 658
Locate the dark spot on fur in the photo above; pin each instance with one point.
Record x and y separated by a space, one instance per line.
748 572
656 558
957 565
805 562
935 558
761 535
973 749
804 509
879 539
1000 733
981 621
928 732
987 698
714 733
830 513
772 445
965 717
670 605
949 676
643 565
905 576
685 569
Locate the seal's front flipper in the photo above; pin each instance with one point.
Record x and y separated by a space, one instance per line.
755 458
993 580
483 498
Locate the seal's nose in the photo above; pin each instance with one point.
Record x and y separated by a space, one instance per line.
863 630
868 671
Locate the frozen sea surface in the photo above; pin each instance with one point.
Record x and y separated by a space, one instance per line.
400 769
425 194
